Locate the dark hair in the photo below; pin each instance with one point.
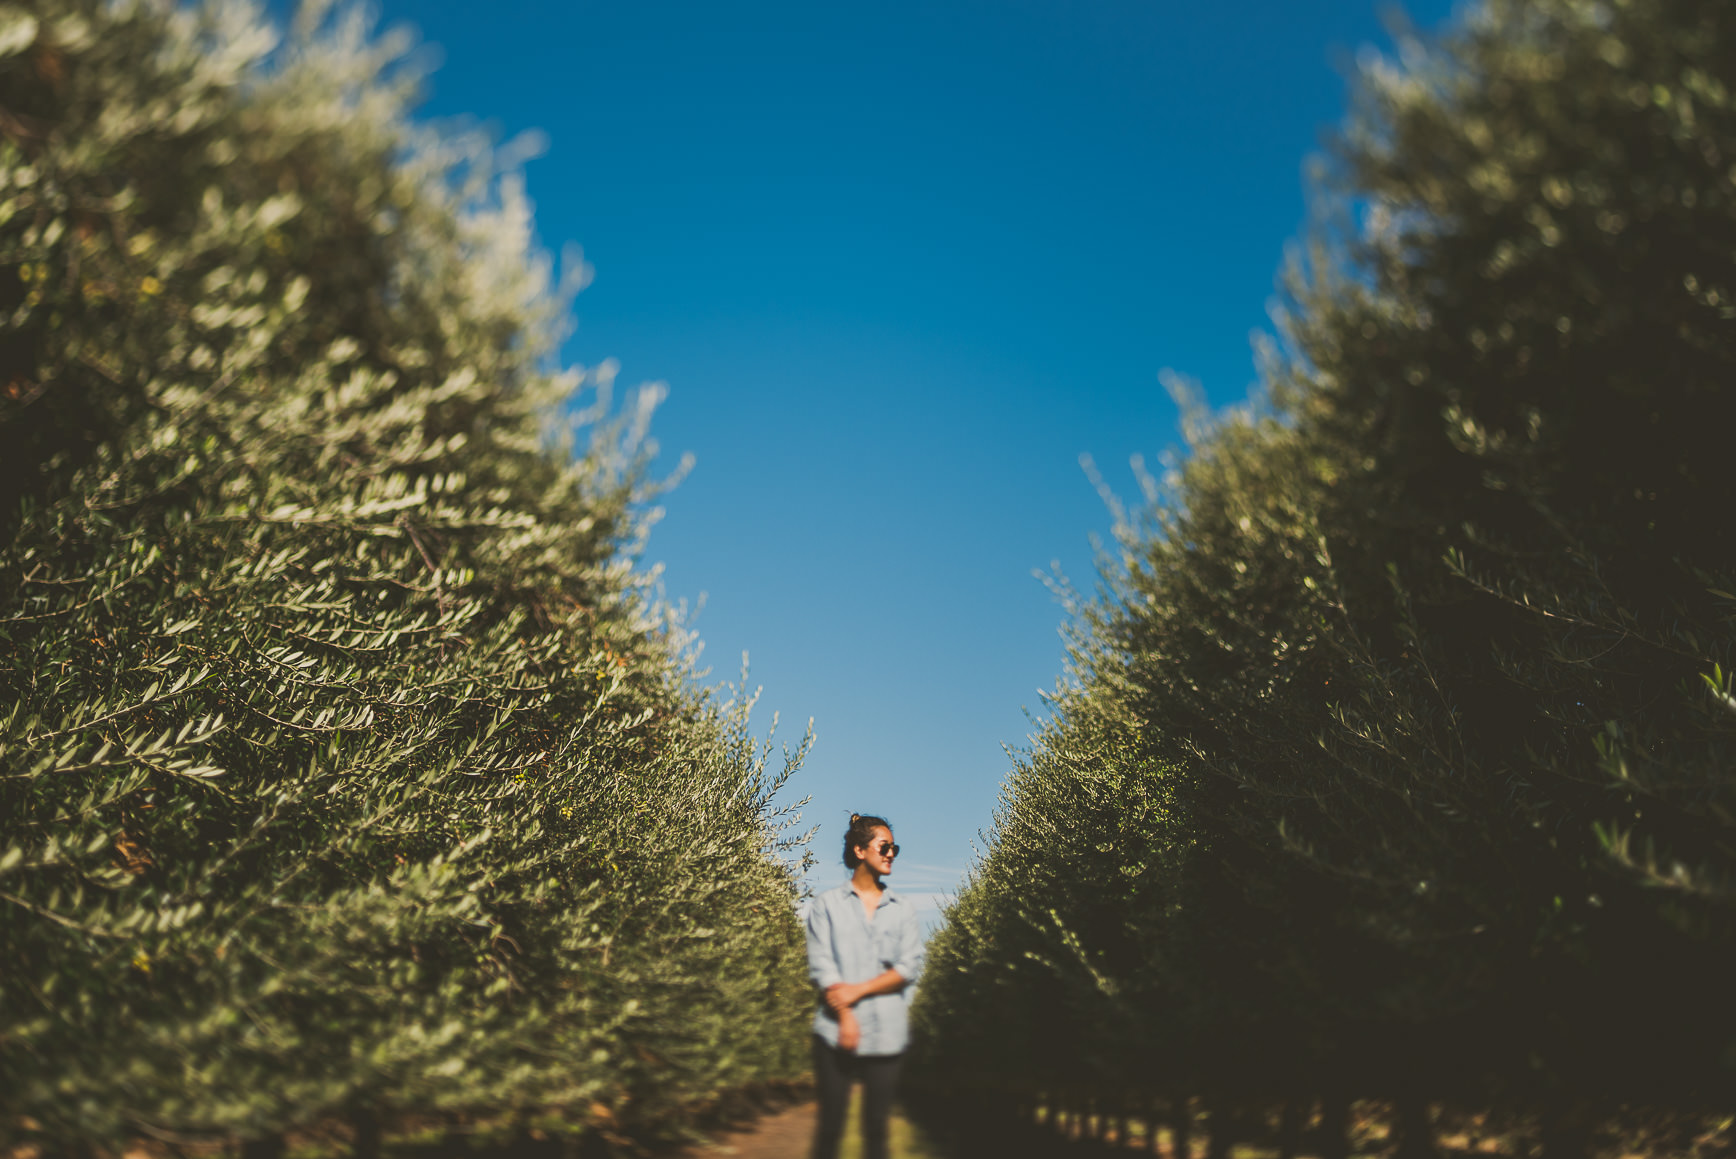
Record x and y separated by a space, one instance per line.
860 833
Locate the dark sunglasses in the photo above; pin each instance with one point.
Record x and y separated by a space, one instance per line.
887 849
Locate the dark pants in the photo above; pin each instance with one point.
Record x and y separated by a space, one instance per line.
834 1071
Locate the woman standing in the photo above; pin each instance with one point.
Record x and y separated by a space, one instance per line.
864 951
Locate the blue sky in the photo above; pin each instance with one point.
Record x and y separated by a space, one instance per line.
900 265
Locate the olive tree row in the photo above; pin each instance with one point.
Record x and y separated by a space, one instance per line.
1396 757
348 765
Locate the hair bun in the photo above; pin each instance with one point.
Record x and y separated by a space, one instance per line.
855 817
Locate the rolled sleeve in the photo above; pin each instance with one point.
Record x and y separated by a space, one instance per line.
910 950
822 958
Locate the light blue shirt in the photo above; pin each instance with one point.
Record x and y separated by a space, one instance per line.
844 946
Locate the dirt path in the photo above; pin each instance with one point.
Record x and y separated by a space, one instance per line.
783 1135
789 1134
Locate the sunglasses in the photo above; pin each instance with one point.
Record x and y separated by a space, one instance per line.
887 849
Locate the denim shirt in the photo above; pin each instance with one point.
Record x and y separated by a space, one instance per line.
844 946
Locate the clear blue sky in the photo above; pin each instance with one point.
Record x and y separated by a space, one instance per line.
900 264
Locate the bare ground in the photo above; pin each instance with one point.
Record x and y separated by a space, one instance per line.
785 1134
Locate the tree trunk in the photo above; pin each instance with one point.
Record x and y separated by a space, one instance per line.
1290 1129
1181 1127
455 1142
1416 1136
1566 1131
365 1135
1335 1126
1222 1133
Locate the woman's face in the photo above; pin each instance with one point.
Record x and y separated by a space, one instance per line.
877 855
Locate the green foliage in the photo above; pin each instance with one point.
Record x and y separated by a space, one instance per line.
1426 657
346 764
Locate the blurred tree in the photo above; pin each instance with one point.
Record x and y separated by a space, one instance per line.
346 765
1435 641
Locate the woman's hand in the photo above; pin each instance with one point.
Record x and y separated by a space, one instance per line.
849 1030
840 996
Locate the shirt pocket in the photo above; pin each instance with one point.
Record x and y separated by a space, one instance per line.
886 945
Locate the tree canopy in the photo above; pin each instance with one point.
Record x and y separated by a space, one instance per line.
348 763
1396 753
